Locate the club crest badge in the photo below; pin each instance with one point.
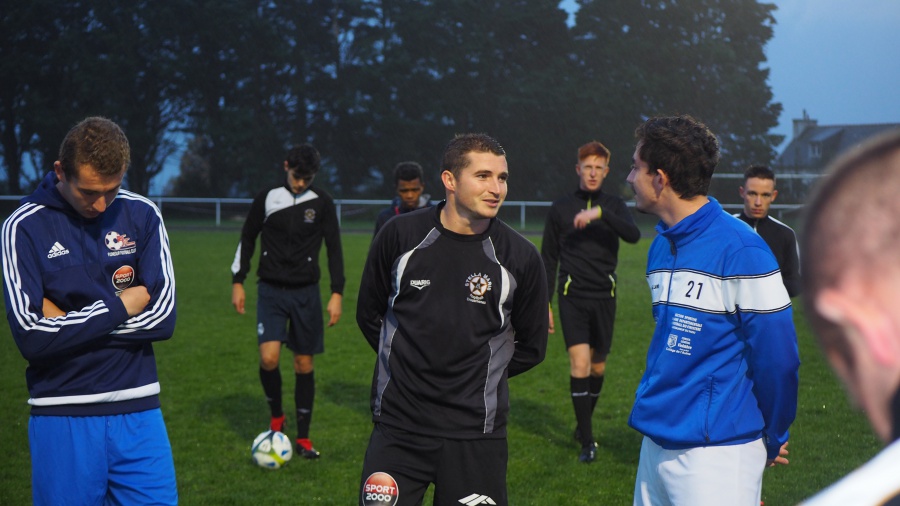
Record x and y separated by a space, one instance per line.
118 244
478 285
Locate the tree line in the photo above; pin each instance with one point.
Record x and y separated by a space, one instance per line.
371 83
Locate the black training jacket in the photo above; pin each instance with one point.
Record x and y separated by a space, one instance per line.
292 227
587 258
452 317
783 242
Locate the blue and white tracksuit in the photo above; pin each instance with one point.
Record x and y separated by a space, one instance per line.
722 366
94 361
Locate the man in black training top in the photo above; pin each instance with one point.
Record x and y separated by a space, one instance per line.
410 182
758 193
581 236
453 300
293 218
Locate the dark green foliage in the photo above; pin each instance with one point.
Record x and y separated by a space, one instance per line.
373 83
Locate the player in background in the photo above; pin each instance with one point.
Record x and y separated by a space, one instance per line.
758 192
89 288
410 183
850 284
719 390
453 301
581 238
294 219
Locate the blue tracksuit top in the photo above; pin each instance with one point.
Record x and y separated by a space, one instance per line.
722 366
94 360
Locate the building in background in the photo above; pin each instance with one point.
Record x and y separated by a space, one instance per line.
814 146
811 149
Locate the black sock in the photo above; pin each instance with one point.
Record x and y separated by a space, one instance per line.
271 383
581 401
304 394
596 386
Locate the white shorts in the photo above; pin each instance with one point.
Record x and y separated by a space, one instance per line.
702 476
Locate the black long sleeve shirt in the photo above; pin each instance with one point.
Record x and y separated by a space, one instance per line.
293 228
452 317
783 243
586 258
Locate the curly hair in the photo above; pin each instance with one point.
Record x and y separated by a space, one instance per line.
682 147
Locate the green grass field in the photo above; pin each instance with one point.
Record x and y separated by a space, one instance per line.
214 406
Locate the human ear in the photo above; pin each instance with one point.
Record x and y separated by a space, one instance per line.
861 318
660 180
60 173
448 180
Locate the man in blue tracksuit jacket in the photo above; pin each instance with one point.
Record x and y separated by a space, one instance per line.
719 391
89 286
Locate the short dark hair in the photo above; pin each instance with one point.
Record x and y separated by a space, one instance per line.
455 159
408 171
682 147
303 159
760 172
593 148
98 142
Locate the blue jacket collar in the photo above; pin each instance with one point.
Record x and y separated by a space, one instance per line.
693 225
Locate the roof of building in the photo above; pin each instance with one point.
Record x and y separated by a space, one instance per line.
814 145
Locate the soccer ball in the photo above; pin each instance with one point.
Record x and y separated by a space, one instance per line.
112 241
271 449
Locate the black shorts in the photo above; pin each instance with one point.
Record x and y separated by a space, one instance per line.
588 321
292 316
400 465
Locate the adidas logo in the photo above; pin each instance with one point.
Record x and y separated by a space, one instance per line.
476 499
57 250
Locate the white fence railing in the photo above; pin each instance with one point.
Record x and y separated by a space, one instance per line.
218 204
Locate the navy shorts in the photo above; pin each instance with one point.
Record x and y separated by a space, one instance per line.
400 465
292 316
588 321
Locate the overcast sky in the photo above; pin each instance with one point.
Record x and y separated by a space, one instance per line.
836 59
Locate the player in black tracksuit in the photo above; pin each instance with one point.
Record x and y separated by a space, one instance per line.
293 220
783 242
452 315
586 252
758 193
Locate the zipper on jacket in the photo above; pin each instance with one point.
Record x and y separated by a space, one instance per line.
709 393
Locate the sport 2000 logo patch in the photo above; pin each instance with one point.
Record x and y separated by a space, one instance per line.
123 277
380 489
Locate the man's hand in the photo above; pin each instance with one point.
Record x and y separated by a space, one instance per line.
334 308
51 310
135 299
550 329
237 297
780 458
584 217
